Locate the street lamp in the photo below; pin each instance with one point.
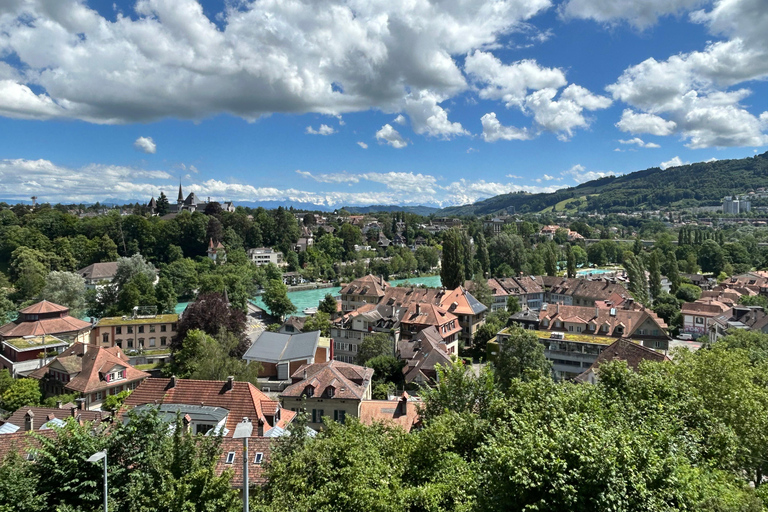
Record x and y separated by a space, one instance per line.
243 431
96 457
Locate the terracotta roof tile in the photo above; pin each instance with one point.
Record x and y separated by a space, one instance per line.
390 412
256 471
351 380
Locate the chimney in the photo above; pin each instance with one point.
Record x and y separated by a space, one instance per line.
557 308
80 403
418 309
58 404
402 406
230 383
73 412
172 383
29 420
305 374
260 428
597 311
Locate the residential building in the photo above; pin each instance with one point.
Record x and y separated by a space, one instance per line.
137 332
621 350
217 252
735 205
333 389
496 224
47 318
349 330
30 418
20 356
629 321
369 289
750 318
756 281
93 372
528 290
402 412
698 316
525 318
98 273
420 316
212 405
582 292
423 353
280 355
293 324
499 295
548 232
265 255
469 311
259 455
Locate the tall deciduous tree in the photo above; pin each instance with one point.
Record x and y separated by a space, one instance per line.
66 289
654 277
521 356
481 253
212 314
452 270
374 345
276 298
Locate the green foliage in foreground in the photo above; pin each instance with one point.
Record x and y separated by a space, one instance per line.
669 437
149 469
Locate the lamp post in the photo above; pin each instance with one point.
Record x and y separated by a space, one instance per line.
95 458
243 431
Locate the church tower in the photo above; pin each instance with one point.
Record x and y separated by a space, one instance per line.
180 200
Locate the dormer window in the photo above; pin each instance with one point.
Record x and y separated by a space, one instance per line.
330 391
309 391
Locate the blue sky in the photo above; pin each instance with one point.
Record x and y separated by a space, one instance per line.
356 102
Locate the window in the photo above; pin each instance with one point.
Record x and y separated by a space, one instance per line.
330 391
339 415
105 337
130 329
151 342
118 330
163 328
699 320
173 327
163 340
119 343
230 458
141 342
259 457
203 428
604 328
317 415
130 342
309 391
570 328
151 328
141 329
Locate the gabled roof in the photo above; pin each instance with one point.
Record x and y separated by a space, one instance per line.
42 415
366 285
461 302
349 381
423 354
54 320
401 412
274 347
256 471
241 399
629 318
428 314
624 350
106 270
90 363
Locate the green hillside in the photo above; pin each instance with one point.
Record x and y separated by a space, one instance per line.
699 184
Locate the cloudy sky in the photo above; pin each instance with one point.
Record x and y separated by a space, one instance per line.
334 102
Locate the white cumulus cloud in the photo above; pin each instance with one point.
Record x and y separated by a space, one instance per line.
323 130
363 145
639 142
390 136
674 162
493 130
145 145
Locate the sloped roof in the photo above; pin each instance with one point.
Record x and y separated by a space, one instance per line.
465 303
427 353
44 414
390 412
366 285
404 296
624 350
256 472
106 270
43 307
274 347
243 399
630 319
348 380
90 363
429 314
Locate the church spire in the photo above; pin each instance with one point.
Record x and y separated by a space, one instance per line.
181 194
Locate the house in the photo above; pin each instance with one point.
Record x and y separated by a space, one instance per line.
582 292
499 295
349 330
280 355
496 224
293 324
548 232
621 350
259 455
751 318
402 412
93 372
698 316
265 255
293 279
333 389
420 316
211 405
369 289
137 332
98 273
423 353
529 291
20 356
525 318
469 311
757 281
30 418
629 321
49 319
703 282
216 252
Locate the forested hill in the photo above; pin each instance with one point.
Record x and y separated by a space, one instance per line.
699 184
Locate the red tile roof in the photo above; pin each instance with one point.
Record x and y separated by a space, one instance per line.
425 315
349 381
366 285
44 414
624 350
90 364
43 307
55 325
256 472
242 399
390 412
22 442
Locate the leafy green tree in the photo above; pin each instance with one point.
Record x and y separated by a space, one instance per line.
666 306
688 292
320 321
18 486
513 304
506 249
570 263
487 332
654 270
7 308
206 357
460 391
521 356
550 261
673 273
129 268
452 269
328 305
112 403
165 296
183 275
481 253
373 345
276 298
66 289
22 392
638 284
6 380
481 291
212 314
28 269
711 257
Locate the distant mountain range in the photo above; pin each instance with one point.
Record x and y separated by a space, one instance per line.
418 210
699 184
